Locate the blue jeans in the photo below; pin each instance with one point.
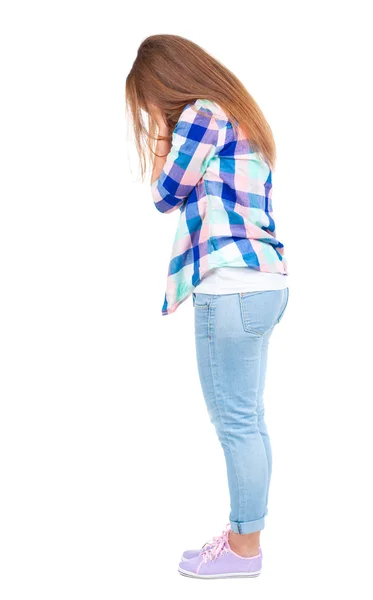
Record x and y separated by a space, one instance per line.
232 333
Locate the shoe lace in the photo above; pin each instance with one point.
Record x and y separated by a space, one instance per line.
217 547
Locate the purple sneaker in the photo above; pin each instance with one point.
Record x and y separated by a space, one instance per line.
188 554
218 560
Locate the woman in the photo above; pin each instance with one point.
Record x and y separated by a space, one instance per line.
213 161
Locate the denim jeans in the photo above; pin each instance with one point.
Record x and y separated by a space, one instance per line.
232 333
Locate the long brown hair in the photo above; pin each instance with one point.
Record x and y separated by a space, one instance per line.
170 72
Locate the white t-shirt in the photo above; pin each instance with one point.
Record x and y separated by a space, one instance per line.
231 280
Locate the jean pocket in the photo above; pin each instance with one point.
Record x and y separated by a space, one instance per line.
259 310
201 300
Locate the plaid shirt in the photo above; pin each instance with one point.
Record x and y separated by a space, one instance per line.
223 192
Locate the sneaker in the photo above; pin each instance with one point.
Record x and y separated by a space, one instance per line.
188 554
218 560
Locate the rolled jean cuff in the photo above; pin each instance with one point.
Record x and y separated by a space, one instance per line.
247 526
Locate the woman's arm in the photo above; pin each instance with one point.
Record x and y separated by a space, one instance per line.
193 143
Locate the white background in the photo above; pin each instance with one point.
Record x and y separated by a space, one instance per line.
110 467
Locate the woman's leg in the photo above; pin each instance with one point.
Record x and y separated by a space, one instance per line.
232 333
248 545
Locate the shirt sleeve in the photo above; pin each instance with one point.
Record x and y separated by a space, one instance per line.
193 144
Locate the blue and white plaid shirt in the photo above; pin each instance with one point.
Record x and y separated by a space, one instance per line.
223 191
